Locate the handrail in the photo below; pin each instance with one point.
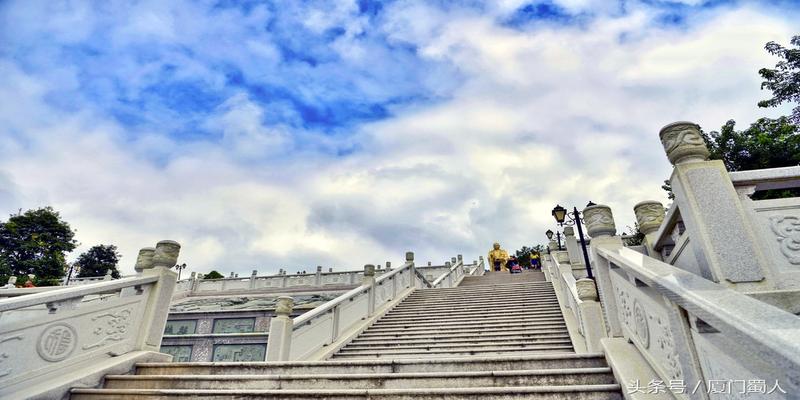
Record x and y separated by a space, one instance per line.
767 178
324 308
439 280
769 330
70 292
422 277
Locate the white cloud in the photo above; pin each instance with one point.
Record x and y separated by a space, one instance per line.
538 116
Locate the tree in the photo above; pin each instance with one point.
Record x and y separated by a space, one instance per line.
635 235
213 275
524 254
784 79
35 242
98 260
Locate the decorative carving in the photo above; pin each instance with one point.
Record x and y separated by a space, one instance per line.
228 303
649 216
239 352
666 344
181 353
166 254
57 342
640 324
145 259
599 220
284 306
587 291
682 142
234 325
787 230
116 327
4 356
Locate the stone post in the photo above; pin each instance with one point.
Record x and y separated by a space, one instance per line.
369 282
144 260
573 248
453 261
330 269
253 279
156 311
413 277
724 243
649 217
318 276
12 282
430 263
600 226
388 266
279 342
194 279
591 314
107 276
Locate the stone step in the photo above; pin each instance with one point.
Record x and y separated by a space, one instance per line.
470 322
466 344
573 392
428 312
547 377
469 328
530 332
488 291
504 363
494 306
450 339
462 315
507 300
488 288
386 354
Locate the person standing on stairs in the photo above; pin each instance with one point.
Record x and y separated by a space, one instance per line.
498 258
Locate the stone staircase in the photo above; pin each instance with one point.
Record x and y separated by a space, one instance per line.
499 336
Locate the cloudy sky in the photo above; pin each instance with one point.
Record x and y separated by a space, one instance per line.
338 133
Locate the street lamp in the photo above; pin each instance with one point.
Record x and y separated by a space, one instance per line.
560 214
180 267
549 234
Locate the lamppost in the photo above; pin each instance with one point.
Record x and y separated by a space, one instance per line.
549 234
560 214
180 267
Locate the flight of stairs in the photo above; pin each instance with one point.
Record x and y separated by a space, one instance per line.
499 336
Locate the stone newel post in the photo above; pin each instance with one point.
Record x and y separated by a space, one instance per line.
573 249
158 262
600 226
591 314
649 217
145 259
722 239
279 342
369 282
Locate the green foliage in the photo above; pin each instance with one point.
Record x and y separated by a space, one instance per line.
98 260
767 143
35 242
784 79
635 235
213 275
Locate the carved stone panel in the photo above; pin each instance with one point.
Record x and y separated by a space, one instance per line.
240 352
178 353
181 327
57 342
234 325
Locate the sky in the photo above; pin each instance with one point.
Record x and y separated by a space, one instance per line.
290 134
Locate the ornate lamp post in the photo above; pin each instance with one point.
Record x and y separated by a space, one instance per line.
561 214
549 234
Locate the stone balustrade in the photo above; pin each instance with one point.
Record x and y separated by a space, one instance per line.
73 336
323 330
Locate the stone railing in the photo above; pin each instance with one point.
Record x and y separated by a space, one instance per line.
714 229
578 301
73 336
692 330
453 275
319 333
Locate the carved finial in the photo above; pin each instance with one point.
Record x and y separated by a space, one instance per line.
599 220
145 259
460 257
649 216
369 270
447 264
319 268
587 291
683 143
409 256
284 306
453 260
569 231
552 246
388 265
166 254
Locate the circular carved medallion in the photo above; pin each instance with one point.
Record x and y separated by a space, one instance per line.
57 342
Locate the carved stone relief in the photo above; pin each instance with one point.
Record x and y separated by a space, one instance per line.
57 342
115 327
682 140
787 231
4 355
179 353
239 352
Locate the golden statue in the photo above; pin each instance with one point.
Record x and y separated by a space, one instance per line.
498 258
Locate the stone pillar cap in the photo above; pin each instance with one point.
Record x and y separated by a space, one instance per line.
683 142
599 220
409 256
569 231
369 270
